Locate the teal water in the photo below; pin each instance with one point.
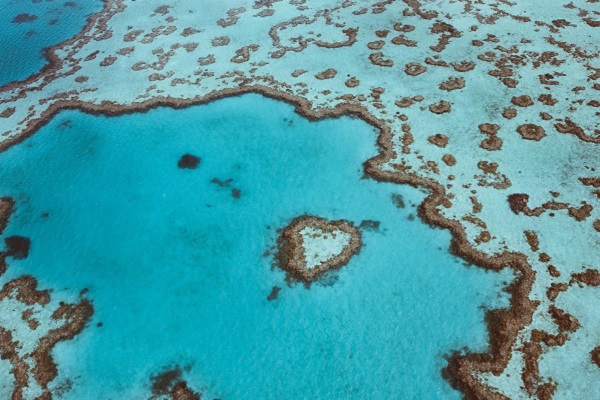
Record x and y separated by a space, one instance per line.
22 44
175 267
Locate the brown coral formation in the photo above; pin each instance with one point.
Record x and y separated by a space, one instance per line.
7 112
509 113
440 108
207 60
531 132
242 54
438 140
463 66
414 69
380 60
595 356
169 382
404 102
565 322
491 177
519 204
375 45
74 317
6 209
449 160
327 74
593 182
453 83
489 129
532 350
402 40
181 391
352 82
532 240
296 73
110 60
492 142
220 41
232 17
570 127
290 254
522 101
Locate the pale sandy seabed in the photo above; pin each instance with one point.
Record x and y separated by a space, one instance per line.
322 246
493 107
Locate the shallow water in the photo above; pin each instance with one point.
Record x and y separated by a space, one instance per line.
175 266
51 22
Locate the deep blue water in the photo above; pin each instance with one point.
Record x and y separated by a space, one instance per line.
51 22
175 267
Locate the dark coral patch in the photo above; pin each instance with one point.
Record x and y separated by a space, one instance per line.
398 200
188 161
165 380
369 225
169 382
17 247
24 17
274 293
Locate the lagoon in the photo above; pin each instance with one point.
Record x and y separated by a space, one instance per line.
177 269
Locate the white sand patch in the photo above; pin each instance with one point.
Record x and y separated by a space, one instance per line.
320 246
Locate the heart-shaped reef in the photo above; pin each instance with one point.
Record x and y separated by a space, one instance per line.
310 246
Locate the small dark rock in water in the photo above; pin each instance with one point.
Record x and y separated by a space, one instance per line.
398 200
24 17
236 193
274 293
221 183
188 161
369 225
18 247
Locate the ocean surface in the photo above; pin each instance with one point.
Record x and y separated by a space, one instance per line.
176 267
47 23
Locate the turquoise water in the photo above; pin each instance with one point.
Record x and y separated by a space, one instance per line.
22 44
175 267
